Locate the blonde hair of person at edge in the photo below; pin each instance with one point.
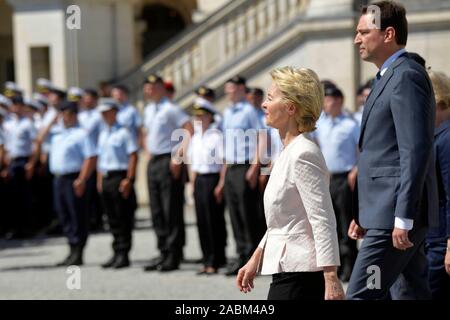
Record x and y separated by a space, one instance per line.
300 248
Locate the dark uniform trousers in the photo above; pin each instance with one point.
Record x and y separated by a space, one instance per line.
341 196
94 208
71 209
242 203
210 220
42 190
18 190
119 210
166 204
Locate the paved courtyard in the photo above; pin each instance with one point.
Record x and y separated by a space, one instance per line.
27 272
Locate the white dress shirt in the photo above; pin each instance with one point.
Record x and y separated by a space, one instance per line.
206 151
301 226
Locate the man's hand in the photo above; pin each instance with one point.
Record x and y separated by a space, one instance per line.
125 188
79 186
262 182
447 258
400 239
252 175
175 169
356 232
218 193
29 171
351 178
4 174
100 185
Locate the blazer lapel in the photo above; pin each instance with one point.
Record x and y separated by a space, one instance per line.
374 94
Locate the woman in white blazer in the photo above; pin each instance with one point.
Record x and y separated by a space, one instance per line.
300 248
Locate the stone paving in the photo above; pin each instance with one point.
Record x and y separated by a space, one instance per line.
27 272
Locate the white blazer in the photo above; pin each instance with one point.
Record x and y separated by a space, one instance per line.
301 225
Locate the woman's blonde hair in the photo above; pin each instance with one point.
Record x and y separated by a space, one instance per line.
302 88
441 86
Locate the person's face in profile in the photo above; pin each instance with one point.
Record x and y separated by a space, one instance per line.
369 39
276 109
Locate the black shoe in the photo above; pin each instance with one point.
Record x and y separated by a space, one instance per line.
154 263
110 262
171 263
168 265
64 262
76 259
68 258
122 261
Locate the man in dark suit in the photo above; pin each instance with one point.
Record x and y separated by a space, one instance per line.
396 171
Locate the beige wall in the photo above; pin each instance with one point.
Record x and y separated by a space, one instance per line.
105 50
36 29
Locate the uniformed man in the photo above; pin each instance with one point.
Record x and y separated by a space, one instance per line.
12 90
337 134
56 96
43 86
89 117
20 163
206 93
117 160
91 120
39 116
165 175
72 161
206 152
244 144
75 94
128 115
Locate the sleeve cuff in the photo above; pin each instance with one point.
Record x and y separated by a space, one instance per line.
404 223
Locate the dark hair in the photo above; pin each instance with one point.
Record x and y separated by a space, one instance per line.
256 91
17 100
122 88
92 92
392 14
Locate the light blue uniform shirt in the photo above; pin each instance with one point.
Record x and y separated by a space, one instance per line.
68 150
128 116
241 123
115 144
161 120
21 134
46 120
91 120
338 140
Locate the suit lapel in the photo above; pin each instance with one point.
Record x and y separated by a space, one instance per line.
374 94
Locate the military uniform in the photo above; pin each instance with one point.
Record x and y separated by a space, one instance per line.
115 146
70 148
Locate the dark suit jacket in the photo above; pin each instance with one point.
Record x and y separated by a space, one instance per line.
442 148
396 169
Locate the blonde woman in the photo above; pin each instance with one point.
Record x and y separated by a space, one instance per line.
300 247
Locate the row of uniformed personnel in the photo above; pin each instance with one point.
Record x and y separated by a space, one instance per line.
69 133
